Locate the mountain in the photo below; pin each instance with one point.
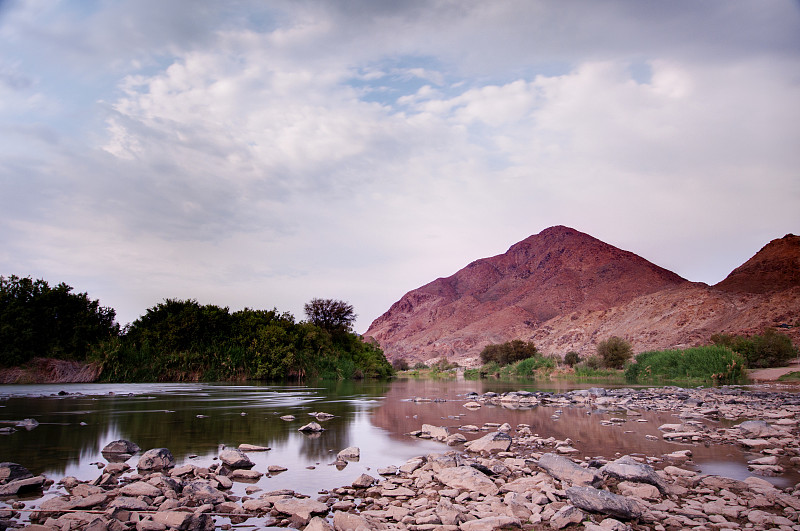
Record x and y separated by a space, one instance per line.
566 290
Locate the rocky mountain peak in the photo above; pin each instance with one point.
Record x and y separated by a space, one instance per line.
776 267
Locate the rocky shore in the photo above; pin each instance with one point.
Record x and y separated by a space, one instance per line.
510 477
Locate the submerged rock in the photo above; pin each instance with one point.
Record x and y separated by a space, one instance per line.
311 427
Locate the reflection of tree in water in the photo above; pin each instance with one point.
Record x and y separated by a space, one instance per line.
170 420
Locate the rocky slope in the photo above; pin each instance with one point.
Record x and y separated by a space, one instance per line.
566 290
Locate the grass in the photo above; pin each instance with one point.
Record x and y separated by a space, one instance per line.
710 364
790 377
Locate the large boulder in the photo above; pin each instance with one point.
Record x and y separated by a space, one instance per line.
201 492
627 468
601 501
758 429
235 458
438 433
120 446
12 472
156 459
491 442
300 510
568 471
351 453
467 478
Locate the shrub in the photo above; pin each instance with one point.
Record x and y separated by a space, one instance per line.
614 352
714 364
400 364
593 362
509 352
420 365
770 349
572 358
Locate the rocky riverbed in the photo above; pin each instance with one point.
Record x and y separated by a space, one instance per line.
510 477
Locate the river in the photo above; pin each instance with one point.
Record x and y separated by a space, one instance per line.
195 420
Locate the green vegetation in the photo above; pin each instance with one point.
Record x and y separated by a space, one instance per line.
37 320
793 376
509 352
614 352
770 349
572 358
181 340
712 364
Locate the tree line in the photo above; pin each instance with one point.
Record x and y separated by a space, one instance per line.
180 340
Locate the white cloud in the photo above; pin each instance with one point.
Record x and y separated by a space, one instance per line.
252 156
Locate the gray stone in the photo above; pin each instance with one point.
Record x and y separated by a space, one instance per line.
120 446
757 429
602 501
311 427
128 503
350 522
13 471
491 442
363 481
156 459
467 478
173 519
22 485
490 523
253 448
568 471
628 469
201 492
351 453
300 509
569 514
438 433
318 524
235 458
141 488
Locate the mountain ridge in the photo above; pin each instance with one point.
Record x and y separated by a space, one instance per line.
565 289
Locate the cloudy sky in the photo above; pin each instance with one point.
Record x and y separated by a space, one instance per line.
251 153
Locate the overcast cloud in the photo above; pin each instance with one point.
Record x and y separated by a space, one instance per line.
260 154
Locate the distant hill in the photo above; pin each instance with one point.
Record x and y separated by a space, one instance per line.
566 290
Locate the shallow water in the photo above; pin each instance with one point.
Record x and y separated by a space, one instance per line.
195 420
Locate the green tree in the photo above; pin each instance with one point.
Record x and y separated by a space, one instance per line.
614 352
770 349
37 320
572 358
509 352
330 314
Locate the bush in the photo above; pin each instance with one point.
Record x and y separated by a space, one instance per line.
572 358
714 364
509 352
400 364
770 349
593 362
614 352
528 367
420 365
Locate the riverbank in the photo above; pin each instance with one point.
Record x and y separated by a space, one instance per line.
513 476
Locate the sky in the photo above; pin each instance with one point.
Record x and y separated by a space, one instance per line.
260 154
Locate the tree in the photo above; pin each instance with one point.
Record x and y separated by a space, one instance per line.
509 352
37 320
614 352
331 315
572 358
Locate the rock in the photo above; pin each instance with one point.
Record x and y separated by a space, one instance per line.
318 524
276 468
245 475
758 429
601 501
201 492
675 471
120 446
566 470
363 481
287 418
156 459
351 453
490 523
235 458
473 405
27 424
253 448
412 464
173 519
12 472
128 504
350 522
467 478
569 514
627 469
141 488
438 433
311 427
639 490
22 485
300 509
491 442
455 439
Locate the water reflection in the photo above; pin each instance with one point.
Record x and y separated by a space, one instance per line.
194 420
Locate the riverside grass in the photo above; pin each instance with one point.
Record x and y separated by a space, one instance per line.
709 364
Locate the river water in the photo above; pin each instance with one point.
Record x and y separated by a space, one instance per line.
195 420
